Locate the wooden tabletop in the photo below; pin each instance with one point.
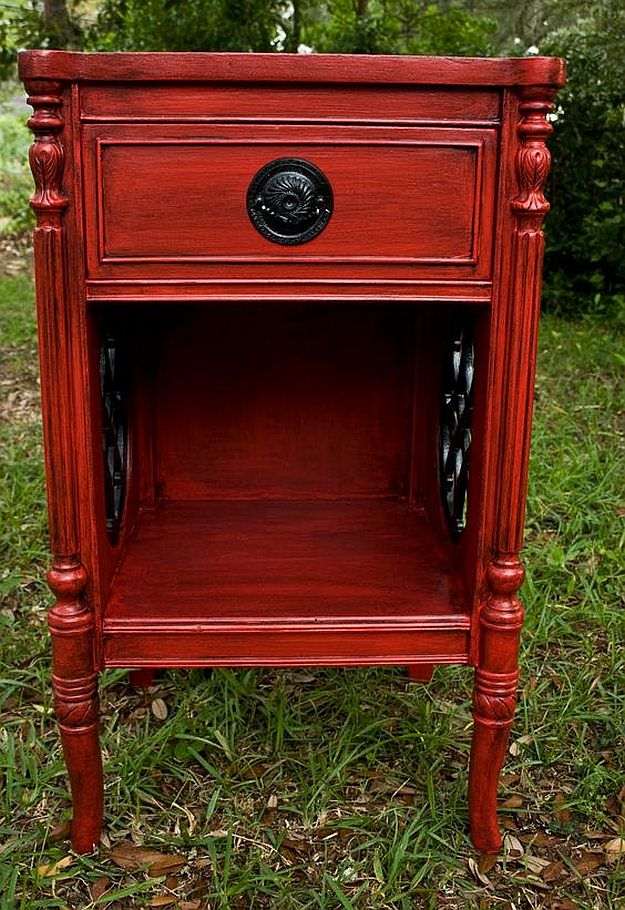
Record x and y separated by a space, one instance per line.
334 68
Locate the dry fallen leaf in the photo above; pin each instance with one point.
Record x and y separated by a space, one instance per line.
614 807
536 864
189 905
540 839
406 794
130 858
563 814
477 873
168 863
165 900
270 811
513 847
507 780
615 849
100 887
159 709
589 861
486 862
60 832
48 869
513 802
554 871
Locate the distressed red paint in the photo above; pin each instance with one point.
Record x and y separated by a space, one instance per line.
282 503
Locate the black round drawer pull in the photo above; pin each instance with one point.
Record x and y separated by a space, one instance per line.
289 201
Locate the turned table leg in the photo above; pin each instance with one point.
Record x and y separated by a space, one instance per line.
516 332
142 679
494 698
420 672
75 682
63 382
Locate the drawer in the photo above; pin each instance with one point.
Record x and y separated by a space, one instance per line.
173 202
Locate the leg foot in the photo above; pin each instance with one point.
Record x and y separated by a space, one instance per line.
84 765
494 697
75 686
142 679
76 706
420 672
488 751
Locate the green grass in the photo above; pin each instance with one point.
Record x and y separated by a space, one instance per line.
340 789
15 178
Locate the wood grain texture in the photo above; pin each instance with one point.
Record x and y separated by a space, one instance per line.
501 616
278 289
292 401
142 679
421 673
261 562
333 68
435 176
283 503
170 205
70 619
289 103
357 645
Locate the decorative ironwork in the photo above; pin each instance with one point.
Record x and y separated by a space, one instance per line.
289 201
113 387
455 426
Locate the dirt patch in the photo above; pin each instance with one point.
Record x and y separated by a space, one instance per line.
18 404
16 255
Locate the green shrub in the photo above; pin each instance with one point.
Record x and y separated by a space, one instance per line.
400 27
15 179
585 266
196 25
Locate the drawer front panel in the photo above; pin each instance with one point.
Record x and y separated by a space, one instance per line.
290 104
170 202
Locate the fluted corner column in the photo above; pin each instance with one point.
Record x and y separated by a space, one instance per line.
501 613
71 621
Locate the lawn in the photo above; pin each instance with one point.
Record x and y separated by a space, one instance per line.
338 788
330 788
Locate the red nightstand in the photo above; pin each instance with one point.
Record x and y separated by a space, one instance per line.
288 311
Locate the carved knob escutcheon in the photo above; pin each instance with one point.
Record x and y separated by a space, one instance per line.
289 201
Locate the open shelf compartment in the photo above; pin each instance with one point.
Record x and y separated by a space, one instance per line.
274 561
282 480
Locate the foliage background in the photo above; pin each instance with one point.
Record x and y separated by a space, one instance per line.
585 266
337 789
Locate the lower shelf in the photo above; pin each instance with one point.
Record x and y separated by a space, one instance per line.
282 583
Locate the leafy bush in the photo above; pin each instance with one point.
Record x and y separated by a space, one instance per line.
585 266
33 24
399 27
15 180
196 25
